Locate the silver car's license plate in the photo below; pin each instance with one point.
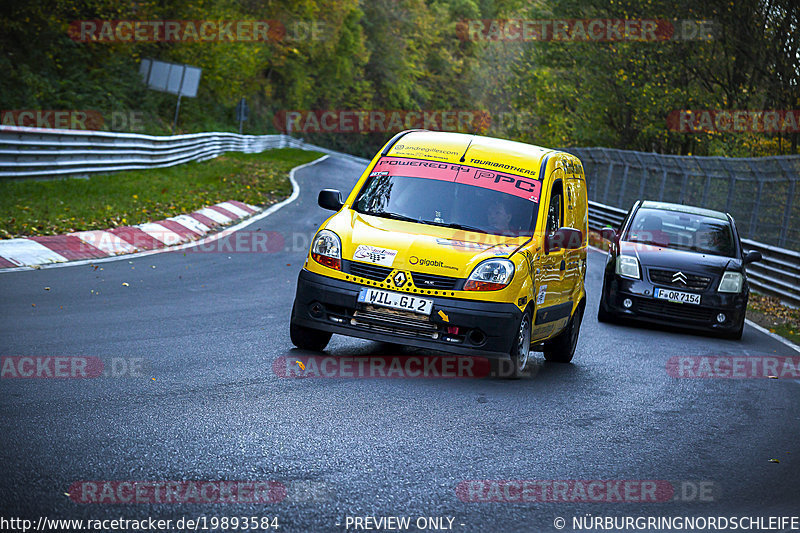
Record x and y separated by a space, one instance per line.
396 300
677 296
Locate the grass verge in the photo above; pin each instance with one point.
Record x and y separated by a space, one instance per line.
769 313
53 207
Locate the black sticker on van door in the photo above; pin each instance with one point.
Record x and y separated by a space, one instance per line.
553 313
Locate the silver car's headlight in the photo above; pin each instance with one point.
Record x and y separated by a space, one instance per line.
628 266
731 282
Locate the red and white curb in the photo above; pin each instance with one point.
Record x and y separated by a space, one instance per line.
98 244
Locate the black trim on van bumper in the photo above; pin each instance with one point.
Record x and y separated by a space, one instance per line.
486 329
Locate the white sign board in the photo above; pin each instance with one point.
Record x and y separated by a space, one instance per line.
182 80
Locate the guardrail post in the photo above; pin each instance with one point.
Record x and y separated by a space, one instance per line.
731 185
645 175
608 177
787 212
622 185
660 159
708 182
684 183
754 214
595 177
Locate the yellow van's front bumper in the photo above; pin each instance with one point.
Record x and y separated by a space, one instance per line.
465 327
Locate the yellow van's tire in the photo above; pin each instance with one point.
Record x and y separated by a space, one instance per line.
309 339
562 348
521 348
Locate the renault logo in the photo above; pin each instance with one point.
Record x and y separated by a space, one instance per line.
399 279
679 277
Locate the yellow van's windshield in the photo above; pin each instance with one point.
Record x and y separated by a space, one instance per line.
446 203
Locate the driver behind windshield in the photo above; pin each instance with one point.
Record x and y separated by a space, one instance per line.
650 230
499 217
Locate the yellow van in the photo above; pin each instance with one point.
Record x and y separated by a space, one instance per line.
458 243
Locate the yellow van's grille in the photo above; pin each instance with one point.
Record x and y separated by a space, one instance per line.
364 270
431 281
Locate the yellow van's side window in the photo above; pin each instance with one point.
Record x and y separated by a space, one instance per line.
555 209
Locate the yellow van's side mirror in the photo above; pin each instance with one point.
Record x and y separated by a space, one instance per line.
330 199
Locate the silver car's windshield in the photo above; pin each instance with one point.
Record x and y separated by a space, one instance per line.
682 231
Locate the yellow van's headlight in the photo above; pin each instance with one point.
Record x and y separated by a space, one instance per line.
327 249
490 275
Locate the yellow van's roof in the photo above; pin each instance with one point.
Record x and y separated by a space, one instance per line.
484 152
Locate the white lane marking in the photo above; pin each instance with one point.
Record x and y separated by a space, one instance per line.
209 239
191 223
216 216
161 233
775 336
238 211
27 252
749 322
105 241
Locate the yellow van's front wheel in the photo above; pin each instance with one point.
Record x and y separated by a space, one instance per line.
562 348
308 338
521 349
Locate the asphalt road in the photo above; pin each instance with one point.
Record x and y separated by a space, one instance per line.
209 406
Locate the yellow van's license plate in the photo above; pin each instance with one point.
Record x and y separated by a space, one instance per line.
396 300
678 296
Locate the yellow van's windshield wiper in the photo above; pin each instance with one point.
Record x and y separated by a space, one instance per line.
389 214
455 225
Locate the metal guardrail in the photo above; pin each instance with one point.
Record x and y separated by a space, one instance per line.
45 153
778 274
762 193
